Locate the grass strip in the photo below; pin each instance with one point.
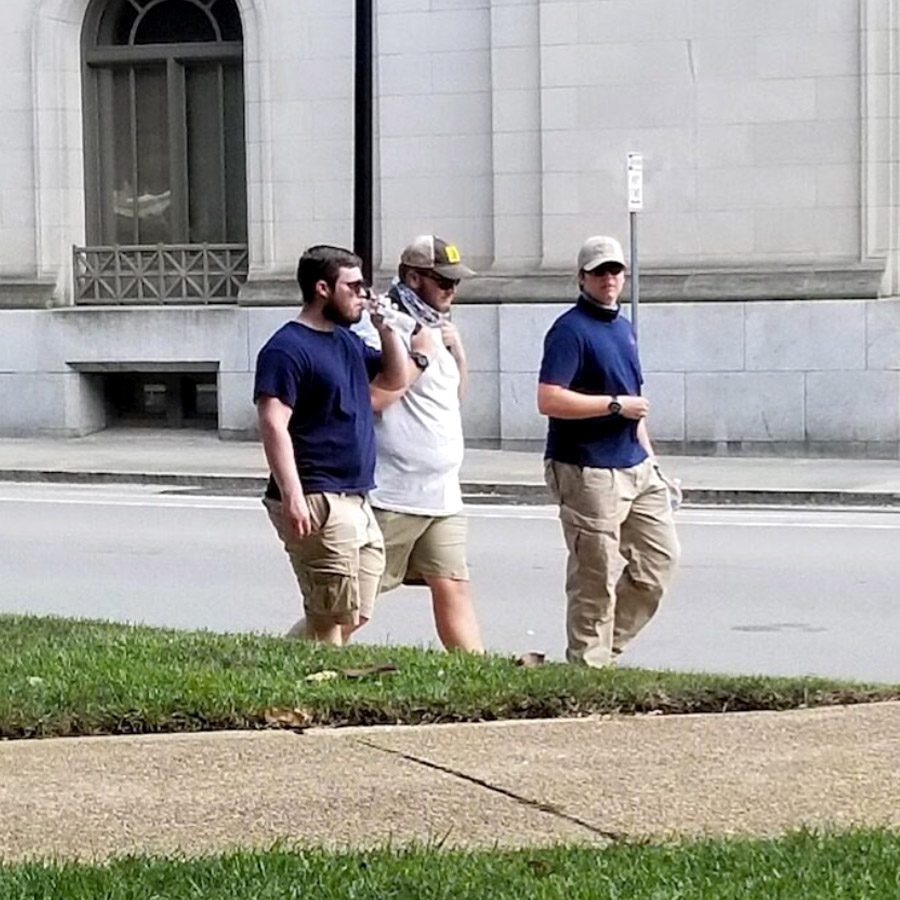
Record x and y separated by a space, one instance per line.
60 677
858 865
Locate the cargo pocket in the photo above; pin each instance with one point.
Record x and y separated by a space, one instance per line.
331 594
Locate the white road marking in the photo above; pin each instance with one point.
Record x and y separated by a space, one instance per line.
872 520
733 518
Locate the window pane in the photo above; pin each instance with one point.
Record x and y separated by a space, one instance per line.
118 128
235 162
175 22
116 22
154 189
205 164
229 18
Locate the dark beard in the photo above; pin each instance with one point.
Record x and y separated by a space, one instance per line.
333 314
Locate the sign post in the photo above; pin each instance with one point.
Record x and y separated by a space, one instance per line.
635 205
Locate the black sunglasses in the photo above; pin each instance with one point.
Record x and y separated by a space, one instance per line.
610 268
445 284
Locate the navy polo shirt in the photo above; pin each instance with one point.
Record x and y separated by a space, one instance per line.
592 350
324 377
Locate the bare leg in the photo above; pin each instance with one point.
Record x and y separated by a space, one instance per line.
454 615
348 630
325 630
300 630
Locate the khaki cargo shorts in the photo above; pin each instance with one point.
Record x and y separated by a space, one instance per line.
338 566
416 546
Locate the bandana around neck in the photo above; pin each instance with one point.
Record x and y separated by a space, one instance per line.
410 302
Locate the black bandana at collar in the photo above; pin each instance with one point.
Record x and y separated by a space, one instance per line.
595 310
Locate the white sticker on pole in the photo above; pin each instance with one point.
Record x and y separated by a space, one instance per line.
635 182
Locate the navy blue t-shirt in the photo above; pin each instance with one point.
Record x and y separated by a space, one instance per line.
591 349
324 377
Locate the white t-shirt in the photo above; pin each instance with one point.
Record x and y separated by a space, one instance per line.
419 438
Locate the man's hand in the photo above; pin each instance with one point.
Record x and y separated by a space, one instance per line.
451 340
634 407
296 513
379 309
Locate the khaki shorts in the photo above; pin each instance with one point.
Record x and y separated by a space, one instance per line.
338 566
416 546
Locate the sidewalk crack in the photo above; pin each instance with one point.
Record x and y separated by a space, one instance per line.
548 808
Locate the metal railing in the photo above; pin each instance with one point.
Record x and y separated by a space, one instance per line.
159 274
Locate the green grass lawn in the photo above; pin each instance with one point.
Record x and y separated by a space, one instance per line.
61 677
859 865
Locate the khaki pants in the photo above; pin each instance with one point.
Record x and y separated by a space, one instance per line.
339 566
608 515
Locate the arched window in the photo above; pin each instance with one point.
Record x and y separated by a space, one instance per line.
164 122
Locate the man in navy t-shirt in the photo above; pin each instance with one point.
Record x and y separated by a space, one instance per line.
600 467
316 423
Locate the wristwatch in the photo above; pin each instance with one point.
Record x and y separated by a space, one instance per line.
419 359
614 406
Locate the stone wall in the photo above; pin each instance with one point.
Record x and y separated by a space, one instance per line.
769 243
816 377
820 377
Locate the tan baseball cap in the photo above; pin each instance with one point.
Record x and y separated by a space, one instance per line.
428 251
598 250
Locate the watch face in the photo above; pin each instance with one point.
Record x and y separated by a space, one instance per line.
615 408
420 359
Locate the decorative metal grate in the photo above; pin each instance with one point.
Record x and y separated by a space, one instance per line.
165 273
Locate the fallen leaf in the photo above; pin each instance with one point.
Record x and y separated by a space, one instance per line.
540 867
324 675
531 660
368 671
285 717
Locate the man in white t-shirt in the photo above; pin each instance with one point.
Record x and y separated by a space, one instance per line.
419 444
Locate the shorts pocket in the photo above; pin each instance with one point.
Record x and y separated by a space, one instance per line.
550 479
330 594
319 510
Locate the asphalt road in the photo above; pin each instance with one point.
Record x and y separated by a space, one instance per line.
777 592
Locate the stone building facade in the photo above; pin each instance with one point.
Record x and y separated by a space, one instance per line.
223 131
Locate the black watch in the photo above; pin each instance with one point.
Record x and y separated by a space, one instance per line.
614 406
420 359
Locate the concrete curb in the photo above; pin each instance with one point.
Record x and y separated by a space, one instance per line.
533 494
526 494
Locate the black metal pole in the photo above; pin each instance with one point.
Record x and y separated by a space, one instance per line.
363 136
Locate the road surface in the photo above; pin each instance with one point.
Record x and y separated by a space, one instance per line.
768 591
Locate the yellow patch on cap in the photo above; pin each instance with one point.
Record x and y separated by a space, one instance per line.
452 253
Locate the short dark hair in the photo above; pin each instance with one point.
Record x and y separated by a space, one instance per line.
323 262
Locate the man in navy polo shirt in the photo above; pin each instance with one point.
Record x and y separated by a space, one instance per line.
316 423
600 466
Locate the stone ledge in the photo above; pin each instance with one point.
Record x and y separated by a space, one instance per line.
841 282
37 294
849 281
270 292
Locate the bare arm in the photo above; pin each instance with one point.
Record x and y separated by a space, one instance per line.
394 358
453 342
643 436
564 403
382 398
273 428
382 395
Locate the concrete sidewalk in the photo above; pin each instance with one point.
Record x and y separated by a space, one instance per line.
194 459
510 784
